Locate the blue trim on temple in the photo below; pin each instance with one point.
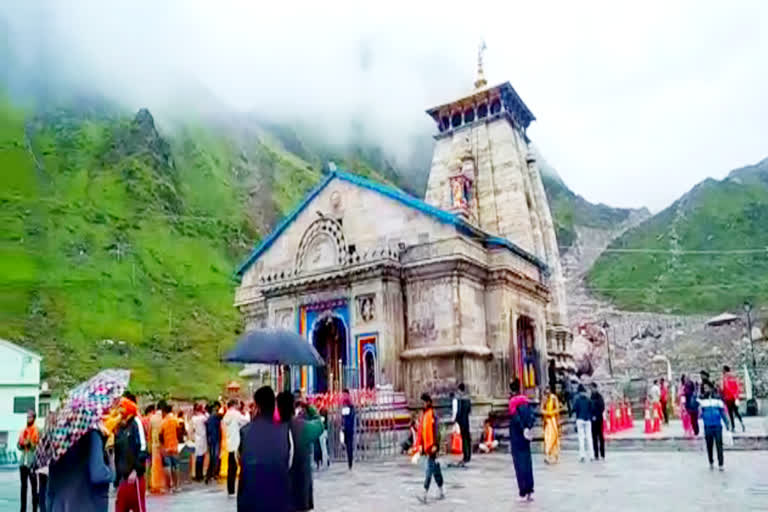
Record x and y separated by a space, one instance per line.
267 242
402 197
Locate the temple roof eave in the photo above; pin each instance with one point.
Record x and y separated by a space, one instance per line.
481 95
438 214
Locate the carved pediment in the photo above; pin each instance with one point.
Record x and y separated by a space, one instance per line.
322 246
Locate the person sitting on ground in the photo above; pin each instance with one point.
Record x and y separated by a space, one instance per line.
488 443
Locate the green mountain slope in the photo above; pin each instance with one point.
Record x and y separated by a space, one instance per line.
118 240
729 215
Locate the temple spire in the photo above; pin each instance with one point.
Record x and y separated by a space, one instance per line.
480 82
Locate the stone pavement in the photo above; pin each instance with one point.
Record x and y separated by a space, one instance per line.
626 482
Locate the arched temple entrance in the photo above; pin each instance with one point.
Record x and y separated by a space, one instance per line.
527 357
329 338
369 370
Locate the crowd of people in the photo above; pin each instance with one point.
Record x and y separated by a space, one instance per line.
266 450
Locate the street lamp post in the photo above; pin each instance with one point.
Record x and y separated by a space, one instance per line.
606 326
748 311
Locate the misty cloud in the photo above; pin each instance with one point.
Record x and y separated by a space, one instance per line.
626 96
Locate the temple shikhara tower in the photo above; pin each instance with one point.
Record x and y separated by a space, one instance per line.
463 286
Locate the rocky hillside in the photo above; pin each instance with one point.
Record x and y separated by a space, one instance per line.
704 254
570 211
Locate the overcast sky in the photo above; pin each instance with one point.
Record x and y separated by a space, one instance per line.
636 101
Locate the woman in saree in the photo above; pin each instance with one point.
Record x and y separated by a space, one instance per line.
157 482
550 411
684 416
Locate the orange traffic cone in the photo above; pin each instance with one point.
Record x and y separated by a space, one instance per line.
624 416
612 419
656 417
648 429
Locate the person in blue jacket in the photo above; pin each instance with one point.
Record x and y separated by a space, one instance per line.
348 425
713 416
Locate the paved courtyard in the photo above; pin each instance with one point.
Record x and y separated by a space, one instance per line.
627 481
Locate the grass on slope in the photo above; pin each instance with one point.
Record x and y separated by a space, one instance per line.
730 215
110 258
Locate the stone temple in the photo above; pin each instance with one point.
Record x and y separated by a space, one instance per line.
462 286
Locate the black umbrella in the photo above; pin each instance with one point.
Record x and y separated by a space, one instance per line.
274 346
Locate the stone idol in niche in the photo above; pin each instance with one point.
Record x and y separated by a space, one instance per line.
366 308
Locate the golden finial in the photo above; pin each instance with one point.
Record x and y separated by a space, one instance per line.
481 81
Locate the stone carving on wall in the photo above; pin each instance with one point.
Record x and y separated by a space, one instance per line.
426 301
366 307
335 201
321 253
284 318
422 331
322 246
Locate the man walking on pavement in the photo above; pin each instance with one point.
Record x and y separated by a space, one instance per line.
582 407
730 388
348 426
712 414
27 446
266 456
598 408
462 408
429 442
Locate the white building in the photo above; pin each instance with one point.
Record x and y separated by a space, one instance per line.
19 392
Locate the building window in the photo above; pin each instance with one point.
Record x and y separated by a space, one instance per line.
456 120
445 123
482 111
44 409
22 404
495 107
3 440
469 115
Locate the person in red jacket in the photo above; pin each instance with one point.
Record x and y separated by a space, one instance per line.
429 443
730 387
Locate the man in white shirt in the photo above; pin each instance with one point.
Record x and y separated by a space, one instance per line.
200 439
233 421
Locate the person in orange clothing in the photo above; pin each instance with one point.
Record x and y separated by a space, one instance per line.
169 431
488 444
157 483
429 444
27 446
